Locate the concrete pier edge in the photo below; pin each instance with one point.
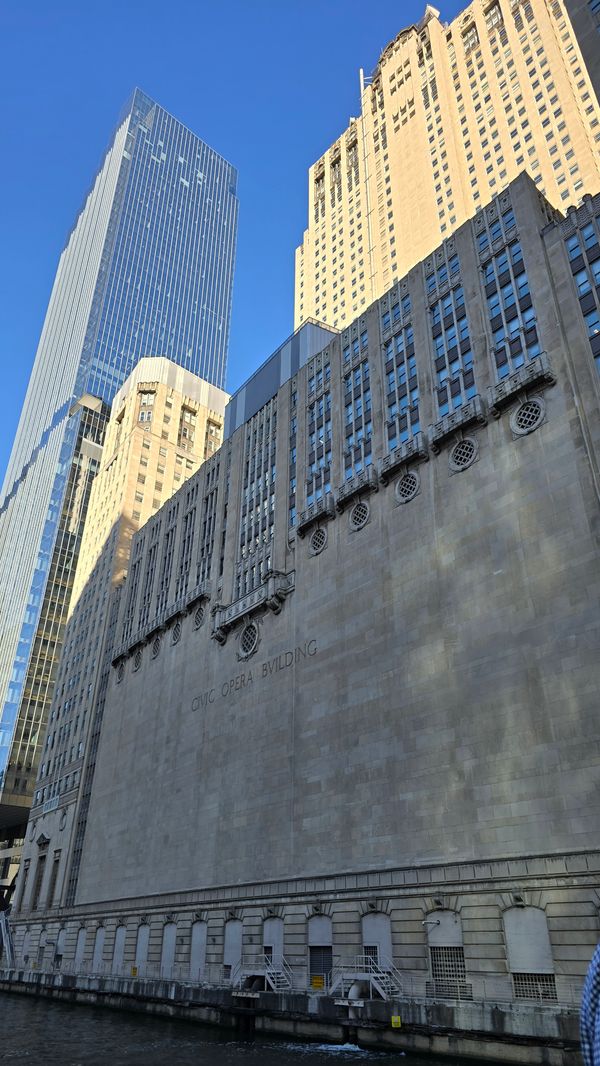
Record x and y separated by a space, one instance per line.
426 1029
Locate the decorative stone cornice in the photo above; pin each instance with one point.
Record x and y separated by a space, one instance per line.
413 451
159 623
534 374
269 596
470 413
359 485
320 511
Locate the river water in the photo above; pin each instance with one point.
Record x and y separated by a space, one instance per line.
37 1032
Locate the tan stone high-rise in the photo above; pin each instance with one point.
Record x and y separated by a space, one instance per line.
450 116
165 422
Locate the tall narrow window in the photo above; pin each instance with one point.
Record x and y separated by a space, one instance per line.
53 879
37 884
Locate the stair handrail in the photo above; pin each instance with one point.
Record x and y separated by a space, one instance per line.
6 939
380 971
281 966
235 976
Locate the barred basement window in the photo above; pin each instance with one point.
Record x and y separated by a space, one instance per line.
249 639
527 417
318 541
407 487
463 454
535 986
137 659
198 617
448 973
155 647
359 515
176 633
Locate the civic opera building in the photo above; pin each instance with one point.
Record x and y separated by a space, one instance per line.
351 732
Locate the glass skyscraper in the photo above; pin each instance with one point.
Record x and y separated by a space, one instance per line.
147 269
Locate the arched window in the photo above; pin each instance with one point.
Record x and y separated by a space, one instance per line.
59 950
529 953
119 949
198 950
232 947
377 938
80 950
447 956
98 949
273 941
25 948
167 951
320 951
141 948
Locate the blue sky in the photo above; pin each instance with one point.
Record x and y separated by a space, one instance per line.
268 84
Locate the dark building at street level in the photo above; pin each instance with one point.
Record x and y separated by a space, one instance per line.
367 713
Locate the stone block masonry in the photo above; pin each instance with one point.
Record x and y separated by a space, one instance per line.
355 758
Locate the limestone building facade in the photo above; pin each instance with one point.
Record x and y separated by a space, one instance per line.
355 661
165 423
450 116
585 18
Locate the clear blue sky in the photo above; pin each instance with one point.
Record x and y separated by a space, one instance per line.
268 84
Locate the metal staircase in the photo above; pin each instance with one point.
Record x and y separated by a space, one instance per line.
6 940
382 977
280 977
277 975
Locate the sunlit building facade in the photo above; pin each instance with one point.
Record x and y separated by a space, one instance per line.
450 116
355 670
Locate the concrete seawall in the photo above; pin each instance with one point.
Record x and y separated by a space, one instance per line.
529 1034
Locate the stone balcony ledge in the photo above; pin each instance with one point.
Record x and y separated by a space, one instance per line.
358 485
320 511
469 414
181 606
534 374
270 595
412 451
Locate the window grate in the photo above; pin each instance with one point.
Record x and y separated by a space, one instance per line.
407 487
535 986
529 416
318 540
449 974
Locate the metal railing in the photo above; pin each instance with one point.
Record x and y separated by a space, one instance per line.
381 975
389 982
277 973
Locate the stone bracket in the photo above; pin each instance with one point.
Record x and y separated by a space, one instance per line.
469 414
358 485
413 451
159 623
534 374
269 596
321 511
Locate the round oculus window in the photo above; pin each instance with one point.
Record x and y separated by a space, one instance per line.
359 515
527 417
463 454
120 672
318 541
137 659
249 639
155 647
198 617
176 635
407 487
